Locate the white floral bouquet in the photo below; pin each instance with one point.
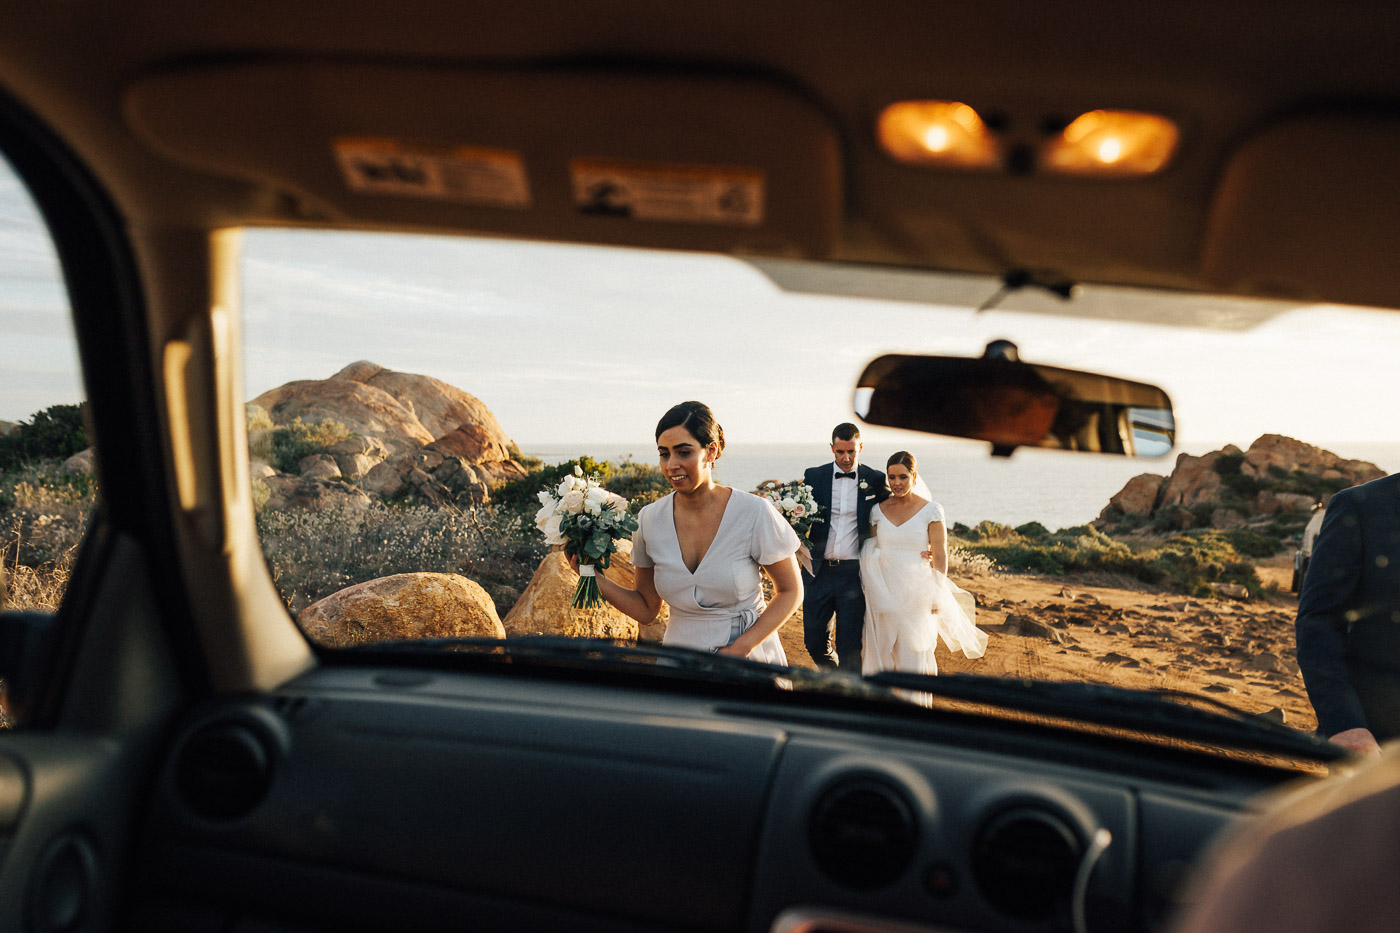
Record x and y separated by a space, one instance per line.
588 521
794 502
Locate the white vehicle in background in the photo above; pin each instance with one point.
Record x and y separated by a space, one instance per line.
1303 555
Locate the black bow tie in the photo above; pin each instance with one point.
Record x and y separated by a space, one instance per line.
850 475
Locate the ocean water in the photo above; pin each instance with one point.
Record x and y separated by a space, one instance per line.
1056 488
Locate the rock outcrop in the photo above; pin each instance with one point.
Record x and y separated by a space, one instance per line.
1139 496
80 462
1194 479
1274 453
406 605
1276 478
410 434
364 410
544 608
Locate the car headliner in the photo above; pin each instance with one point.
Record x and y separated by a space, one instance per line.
1284 186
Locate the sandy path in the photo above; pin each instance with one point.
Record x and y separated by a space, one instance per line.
1043 628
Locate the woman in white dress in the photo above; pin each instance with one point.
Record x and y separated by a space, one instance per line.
909 601
700 549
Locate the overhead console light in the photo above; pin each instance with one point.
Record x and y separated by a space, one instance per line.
940 133
1121 143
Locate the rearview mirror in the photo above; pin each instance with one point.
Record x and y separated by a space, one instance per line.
999 399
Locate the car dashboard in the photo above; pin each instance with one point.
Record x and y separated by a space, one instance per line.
404 797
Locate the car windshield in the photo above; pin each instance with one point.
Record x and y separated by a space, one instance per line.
410 396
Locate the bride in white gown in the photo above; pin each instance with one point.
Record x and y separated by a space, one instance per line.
909 602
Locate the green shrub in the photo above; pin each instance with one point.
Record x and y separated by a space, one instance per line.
521 493
1252 544
56 433
641 483
1245 487
1229 464
1185 562
1023 557
1033 530
258 418
315 553
294 442
991 531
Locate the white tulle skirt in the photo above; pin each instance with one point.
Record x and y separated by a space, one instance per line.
908 607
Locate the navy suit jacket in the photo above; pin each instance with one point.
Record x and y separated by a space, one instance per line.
820 479
1348 623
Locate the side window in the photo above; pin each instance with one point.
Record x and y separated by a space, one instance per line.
47 488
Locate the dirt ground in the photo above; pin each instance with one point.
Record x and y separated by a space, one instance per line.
1043 628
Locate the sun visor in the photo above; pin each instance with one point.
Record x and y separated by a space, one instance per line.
690 162
1310 209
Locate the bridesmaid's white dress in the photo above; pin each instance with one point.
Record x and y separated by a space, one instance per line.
908 604
724 596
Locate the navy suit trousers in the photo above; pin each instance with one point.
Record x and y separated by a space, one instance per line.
834 592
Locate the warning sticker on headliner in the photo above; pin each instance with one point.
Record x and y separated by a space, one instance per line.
467 174
661 191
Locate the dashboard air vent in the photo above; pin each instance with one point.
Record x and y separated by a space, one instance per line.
863 833
1024 861
223 770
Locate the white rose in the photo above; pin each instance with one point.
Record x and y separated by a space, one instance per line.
566 486
789 504
593 506
618 503
544 497
546 510
596 494
573 500
578 470
551 530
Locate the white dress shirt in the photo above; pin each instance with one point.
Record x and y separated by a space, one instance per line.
843 540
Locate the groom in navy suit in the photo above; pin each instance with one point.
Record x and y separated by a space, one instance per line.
846 491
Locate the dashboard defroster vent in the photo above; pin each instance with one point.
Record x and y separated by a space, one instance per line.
863 833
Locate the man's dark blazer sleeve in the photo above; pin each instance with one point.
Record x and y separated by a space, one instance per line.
1328 592
819 478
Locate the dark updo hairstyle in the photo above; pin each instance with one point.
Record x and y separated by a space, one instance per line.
696 418
904 458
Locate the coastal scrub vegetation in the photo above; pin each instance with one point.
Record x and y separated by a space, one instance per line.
57 432
640 483
314 553
43 515
1193 562
286 446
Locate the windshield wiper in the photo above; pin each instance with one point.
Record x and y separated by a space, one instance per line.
601 653
1173 713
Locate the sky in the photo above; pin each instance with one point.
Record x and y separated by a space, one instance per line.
586 344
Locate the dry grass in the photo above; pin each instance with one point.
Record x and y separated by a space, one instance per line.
33 588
